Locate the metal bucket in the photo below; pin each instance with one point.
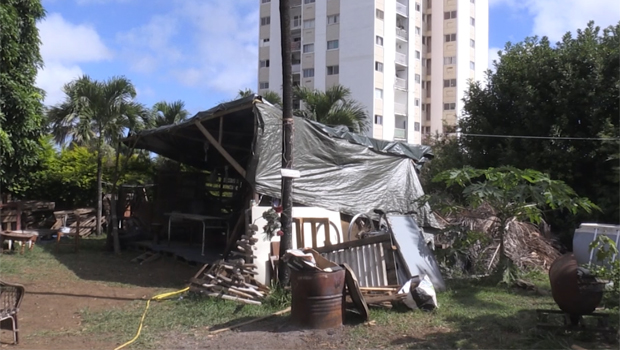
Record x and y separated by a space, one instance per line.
571 296
317 298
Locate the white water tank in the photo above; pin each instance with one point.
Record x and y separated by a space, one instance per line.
586 233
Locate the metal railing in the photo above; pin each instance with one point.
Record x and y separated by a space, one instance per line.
400 134
296 68
400 83
401 33
400 58
296 46
401 9
400 108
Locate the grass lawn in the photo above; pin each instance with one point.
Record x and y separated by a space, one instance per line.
472 314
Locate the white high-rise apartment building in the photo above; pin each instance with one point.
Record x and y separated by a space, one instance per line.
407 61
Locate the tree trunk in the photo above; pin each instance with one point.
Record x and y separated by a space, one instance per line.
99 187
113 202
287 141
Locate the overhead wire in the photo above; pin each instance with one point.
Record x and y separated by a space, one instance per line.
540 137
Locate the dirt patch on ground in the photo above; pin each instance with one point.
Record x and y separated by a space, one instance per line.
50 313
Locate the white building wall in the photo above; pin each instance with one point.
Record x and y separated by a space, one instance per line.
320 44
437 54
463 52
357 38
482 37
389 69
275 50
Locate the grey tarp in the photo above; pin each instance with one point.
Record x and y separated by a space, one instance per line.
340 171
337 174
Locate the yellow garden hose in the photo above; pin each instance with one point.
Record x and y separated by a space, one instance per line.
148 302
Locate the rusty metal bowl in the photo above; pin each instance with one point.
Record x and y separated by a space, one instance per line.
574 295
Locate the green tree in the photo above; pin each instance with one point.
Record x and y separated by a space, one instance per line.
566 90
21 109
167 113
332 107
513 194
271 96
96 113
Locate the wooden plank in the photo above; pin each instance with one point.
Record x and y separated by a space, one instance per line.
355 243
390 265
252 321
220 149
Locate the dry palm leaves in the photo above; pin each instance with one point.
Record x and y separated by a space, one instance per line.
471 232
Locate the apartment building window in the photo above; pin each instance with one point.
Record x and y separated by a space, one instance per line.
309 23
308 72
428 22
450 37
417 31
265 21
265 1
428 66
427 130
379 14
428 88
417 102
449 15
449 60
449 83
264 63
472 65
264 42
472 21
472 1
417 78
428 111
263 85
449 106
379 40
417 54
416 126
428 44
417 6
332 44
333 19
333 70
379 93
378 66
378 119
308 48
472 43
308 1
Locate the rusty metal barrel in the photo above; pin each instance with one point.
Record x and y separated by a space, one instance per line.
572 295
317 298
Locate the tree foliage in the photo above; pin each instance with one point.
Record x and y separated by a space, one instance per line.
167 113
21 108
332 107
513 194
569 89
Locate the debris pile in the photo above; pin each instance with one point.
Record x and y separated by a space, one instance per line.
232 279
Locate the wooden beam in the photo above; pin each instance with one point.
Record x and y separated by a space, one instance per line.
220 149
221 130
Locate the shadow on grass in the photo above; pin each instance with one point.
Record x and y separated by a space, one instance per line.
93 263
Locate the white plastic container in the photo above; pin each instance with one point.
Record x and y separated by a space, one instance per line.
586 233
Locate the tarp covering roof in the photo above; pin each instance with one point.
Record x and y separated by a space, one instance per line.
340 171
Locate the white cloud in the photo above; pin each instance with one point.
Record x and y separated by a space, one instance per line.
64 46
493 57
219 41
553 18
150 46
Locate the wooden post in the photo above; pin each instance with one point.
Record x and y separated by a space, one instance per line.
287 140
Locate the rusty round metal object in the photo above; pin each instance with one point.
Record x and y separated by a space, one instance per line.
317 298
573 296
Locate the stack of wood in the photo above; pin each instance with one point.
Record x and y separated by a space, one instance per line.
232 279
382 296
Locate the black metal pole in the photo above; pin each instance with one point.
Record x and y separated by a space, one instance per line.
287 140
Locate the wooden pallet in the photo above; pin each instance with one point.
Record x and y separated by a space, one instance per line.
146 257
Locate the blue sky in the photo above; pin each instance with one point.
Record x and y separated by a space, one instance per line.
204 51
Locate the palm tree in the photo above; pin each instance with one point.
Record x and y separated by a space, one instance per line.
95 113
164 113
271 96
332 107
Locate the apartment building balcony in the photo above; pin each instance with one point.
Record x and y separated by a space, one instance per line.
400 134
296 68
401 9
296 46
295 24
400 108
295 3
401 34
400 58
400 83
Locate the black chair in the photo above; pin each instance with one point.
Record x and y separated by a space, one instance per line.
11 296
